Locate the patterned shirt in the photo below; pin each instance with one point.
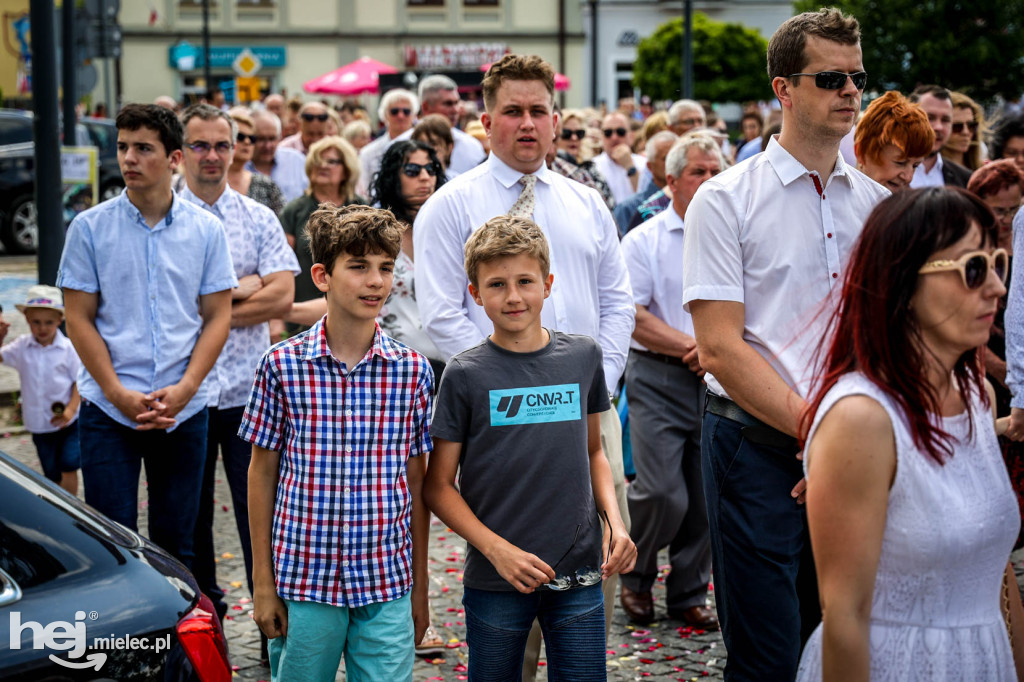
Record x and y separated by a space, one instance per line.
341 532
258 247
651 207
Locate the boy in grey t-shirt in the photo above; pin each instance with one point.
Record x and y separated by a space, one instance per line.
519 414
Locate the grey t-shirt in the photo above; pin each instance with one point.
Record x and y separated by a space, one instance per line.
525 469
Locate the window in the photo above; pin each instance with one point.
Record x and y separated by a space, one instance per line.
15 129
480 3
425 3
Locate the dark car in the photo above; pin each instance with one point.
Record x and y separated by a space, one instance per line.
18 229
83 598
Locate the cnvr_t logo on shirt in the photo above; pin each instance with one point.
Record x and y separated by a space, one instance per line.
535 405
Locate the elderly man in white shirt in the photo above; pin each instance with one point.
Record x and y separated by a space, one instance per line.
617 163
666 401
591 295
763 255
440 95
397 109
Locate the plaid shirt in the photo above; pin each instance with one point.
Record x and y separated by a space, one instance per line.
341 532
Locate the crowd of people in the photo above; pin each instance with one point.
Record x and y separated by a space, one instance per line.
813 327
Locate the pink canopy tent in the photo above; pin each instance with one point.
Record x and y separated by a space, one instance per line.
357 78
561 80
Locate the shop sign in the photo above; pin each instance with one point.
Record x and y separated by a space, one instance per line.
464 56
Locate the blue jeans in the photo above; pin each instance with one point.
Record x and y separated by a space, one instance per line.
222 435
112 456
376 640
765 586
498 624
58 451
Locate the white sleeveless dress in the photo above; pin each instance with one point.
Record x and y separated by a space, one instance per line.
949 531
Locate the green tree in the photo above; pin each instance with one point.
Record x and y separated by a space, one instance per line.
966 45
728 62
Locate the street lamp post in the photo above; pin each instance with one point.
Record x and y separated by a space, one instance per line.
688 49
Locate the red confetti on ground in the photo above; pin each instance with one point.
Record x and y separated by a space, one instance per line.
462 677
224 507
440 538
236 607
235 668
452 645
541 664
451 570
444 588
610 652
460 668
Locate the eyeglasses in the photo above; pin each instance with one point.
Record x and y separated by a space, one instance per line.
621 132
584 577
242 138
578 134
973 267
405 111
309 118
959 127
834 80
413 170
203 147
331 162
1005 213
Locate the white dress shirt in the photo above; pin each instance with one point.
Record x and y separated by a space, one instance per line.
926 178
766 234
47 374
370 157
591 293
652 257
618 177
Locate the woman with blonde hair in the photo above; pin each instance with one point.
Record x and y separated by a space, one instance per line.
256 186
964 143
332 167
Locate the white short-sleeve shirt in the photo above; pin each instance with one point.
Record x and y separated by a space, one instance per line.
47 375
769 234
652 253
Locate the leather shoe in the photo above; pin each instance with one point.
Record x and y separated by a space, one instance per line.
697 616
639 606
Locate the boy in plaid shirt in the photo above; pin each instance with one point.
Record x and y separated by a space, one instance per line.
339 418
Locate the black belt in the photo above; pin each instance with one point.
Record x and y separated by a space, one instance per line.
667 359
754 430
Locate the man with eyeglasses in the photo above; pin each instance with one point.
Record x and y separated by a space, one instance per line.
266 267
764 249
619 166
935 171
397 111
147 280
286 167
440 95
313 119
685 115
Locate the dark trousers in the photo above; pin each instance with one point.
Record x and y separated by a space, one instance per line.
112 456
765 586
666 501
235 453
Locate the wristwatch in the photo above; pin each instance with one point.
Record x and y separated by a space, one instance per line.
632 171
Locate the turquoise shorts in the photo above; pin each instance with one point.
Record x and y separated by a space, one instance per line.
376 641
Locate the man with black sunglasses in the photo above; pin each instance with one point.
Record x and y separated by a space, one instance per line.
764 250
935 171
313 118
619 166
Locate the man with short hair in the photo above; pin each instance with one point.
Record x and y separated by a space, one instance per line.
147 280
440 95
684 115
275 104
397 110
666 399
313 121
592 295
617 163
266 267
935 171
286 167
657 149
764 249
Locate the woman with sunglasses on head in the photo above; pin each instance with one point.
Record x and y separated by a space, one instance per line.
964 145
891 140
256 186
911 513
332 167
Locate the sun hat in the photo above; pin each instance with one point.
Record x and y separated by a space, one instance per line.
43 296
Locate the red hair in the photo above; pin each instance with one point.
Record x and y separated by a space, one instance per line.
893 119
993 178
873 329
